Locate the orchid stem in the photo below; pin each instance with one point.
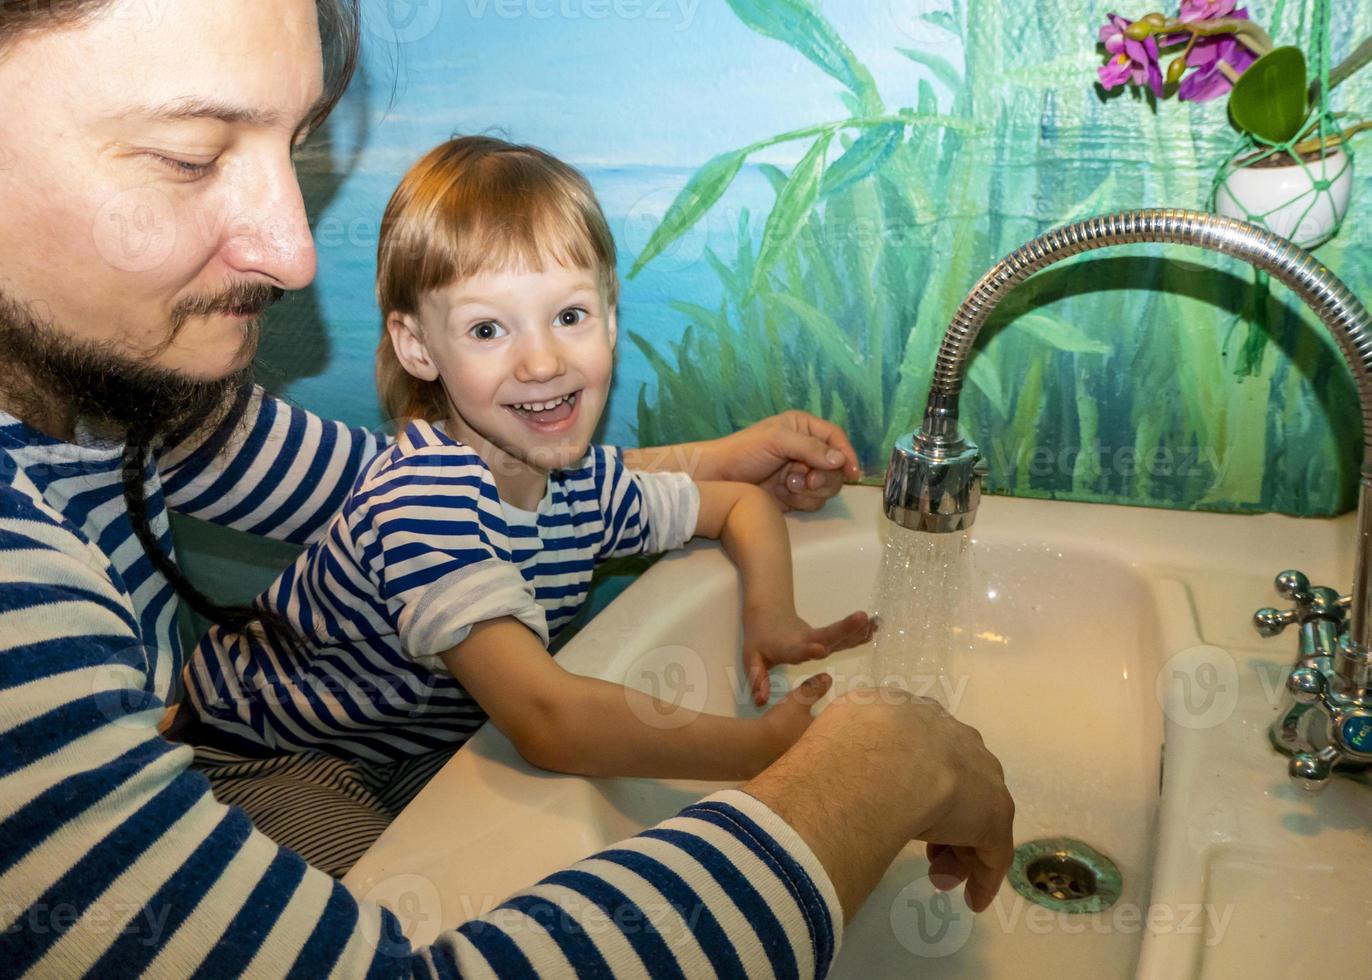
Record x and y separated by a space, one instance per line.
1253 44
1227 70
1249 34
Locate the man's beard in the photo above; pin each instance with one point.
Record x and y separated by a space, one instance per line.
49 374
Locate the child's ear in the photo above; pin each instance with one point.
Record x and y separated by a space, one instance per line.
614 328
410 349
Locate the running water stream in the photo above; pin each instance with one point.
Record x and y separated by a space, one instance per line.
924 600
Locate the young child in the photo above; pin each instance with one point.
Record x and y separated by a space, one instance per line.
465 546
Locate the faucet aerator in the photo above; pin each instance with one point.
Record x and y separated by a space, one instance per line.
932 486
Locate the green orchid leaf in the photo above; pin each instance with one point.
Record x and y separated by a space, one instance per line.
706 186
792 208
798 24
1269 99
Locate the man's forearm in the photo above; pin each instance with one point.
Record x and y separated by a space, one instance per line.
850 828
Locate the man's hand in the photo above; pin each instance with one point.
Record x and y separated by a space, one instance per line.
800 459
772 637
879 768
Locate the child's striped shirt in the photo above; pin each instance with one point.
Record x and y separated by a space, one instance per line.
422 550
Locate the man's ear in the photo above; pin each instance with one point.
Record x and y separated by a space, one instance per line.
410 349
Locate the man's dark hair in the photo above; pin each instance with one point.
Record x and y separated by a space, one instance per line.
339 33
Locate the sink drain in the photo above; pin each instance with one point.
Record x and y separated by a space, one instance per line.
1066 875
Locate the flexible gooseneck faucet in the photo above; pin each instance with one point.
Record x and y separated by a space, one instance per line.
934 480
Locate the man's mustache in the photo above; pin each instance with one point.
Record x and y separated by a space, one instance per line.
243 299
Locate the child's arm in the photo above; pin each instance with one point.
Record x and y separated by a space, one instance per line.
750 526
569 723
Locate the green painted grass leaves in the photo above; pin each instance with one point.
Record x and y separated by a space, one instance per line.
868 152
1106 378
705 187
794 203
799 25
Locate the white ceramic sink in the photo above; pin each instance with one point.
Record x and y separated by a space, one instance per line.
1090 635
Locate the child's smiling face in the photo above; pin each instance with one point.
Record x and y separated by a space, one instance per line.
526 359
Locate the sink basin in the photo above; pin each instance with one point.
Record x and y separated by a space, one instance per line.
1086 637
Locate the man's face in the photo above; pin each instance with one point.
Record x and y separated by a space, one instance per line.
150 202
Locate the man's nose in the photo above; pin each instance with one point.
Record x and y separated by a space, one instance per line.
540 358
268 233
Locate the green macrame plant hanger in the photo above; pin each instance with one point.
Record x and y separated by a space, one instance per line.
1320 128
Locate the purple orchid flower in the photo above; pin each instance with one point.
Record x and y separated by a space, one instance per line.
1193 10
1135 62
1206 81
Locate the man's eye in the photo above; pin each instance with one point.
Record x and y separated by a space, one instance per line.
571 316
487 330
184 168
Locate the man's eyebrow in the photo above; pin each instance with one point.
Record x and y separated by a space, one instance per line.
192 107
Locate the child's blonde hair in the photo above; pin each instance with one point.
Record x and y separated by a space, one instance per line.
471 205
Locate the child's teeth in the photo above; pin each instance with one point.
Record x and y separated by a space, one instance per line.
541 406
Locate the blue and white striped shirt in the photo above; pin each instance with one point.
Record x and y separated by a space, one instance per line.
422 550
115 859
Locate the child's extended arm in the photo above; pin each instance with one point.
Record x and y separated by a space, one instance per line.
569 723
750 526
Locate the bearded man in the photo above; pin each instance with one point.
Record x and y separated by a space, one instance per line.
152 214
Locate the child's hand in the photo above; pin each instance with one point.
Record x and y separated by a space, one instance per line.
790 716
781 637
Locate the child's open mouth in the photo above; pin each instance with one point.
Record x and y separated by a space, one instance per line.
547 416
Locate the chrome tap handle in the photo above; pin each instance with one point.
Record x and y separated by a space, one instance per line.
1269 622
1311 603
1349 734
1311 770
1325 723
1306 685
1293 585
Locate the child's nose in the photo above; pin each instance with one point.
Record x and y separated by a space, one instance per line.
541 360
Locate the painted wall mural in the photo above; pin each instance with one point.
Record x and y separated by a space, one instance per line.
863 162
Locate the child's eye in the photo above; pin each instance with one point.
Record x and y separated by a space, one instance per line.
571 316
487 330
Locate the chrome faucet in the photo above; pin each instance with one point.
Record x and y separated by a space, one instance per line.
934 480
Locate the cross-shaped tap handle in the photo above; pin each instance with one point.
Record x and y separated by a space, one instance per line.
1311 602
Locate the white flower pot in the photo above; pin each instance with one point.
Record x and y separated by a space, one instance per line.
1298 210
